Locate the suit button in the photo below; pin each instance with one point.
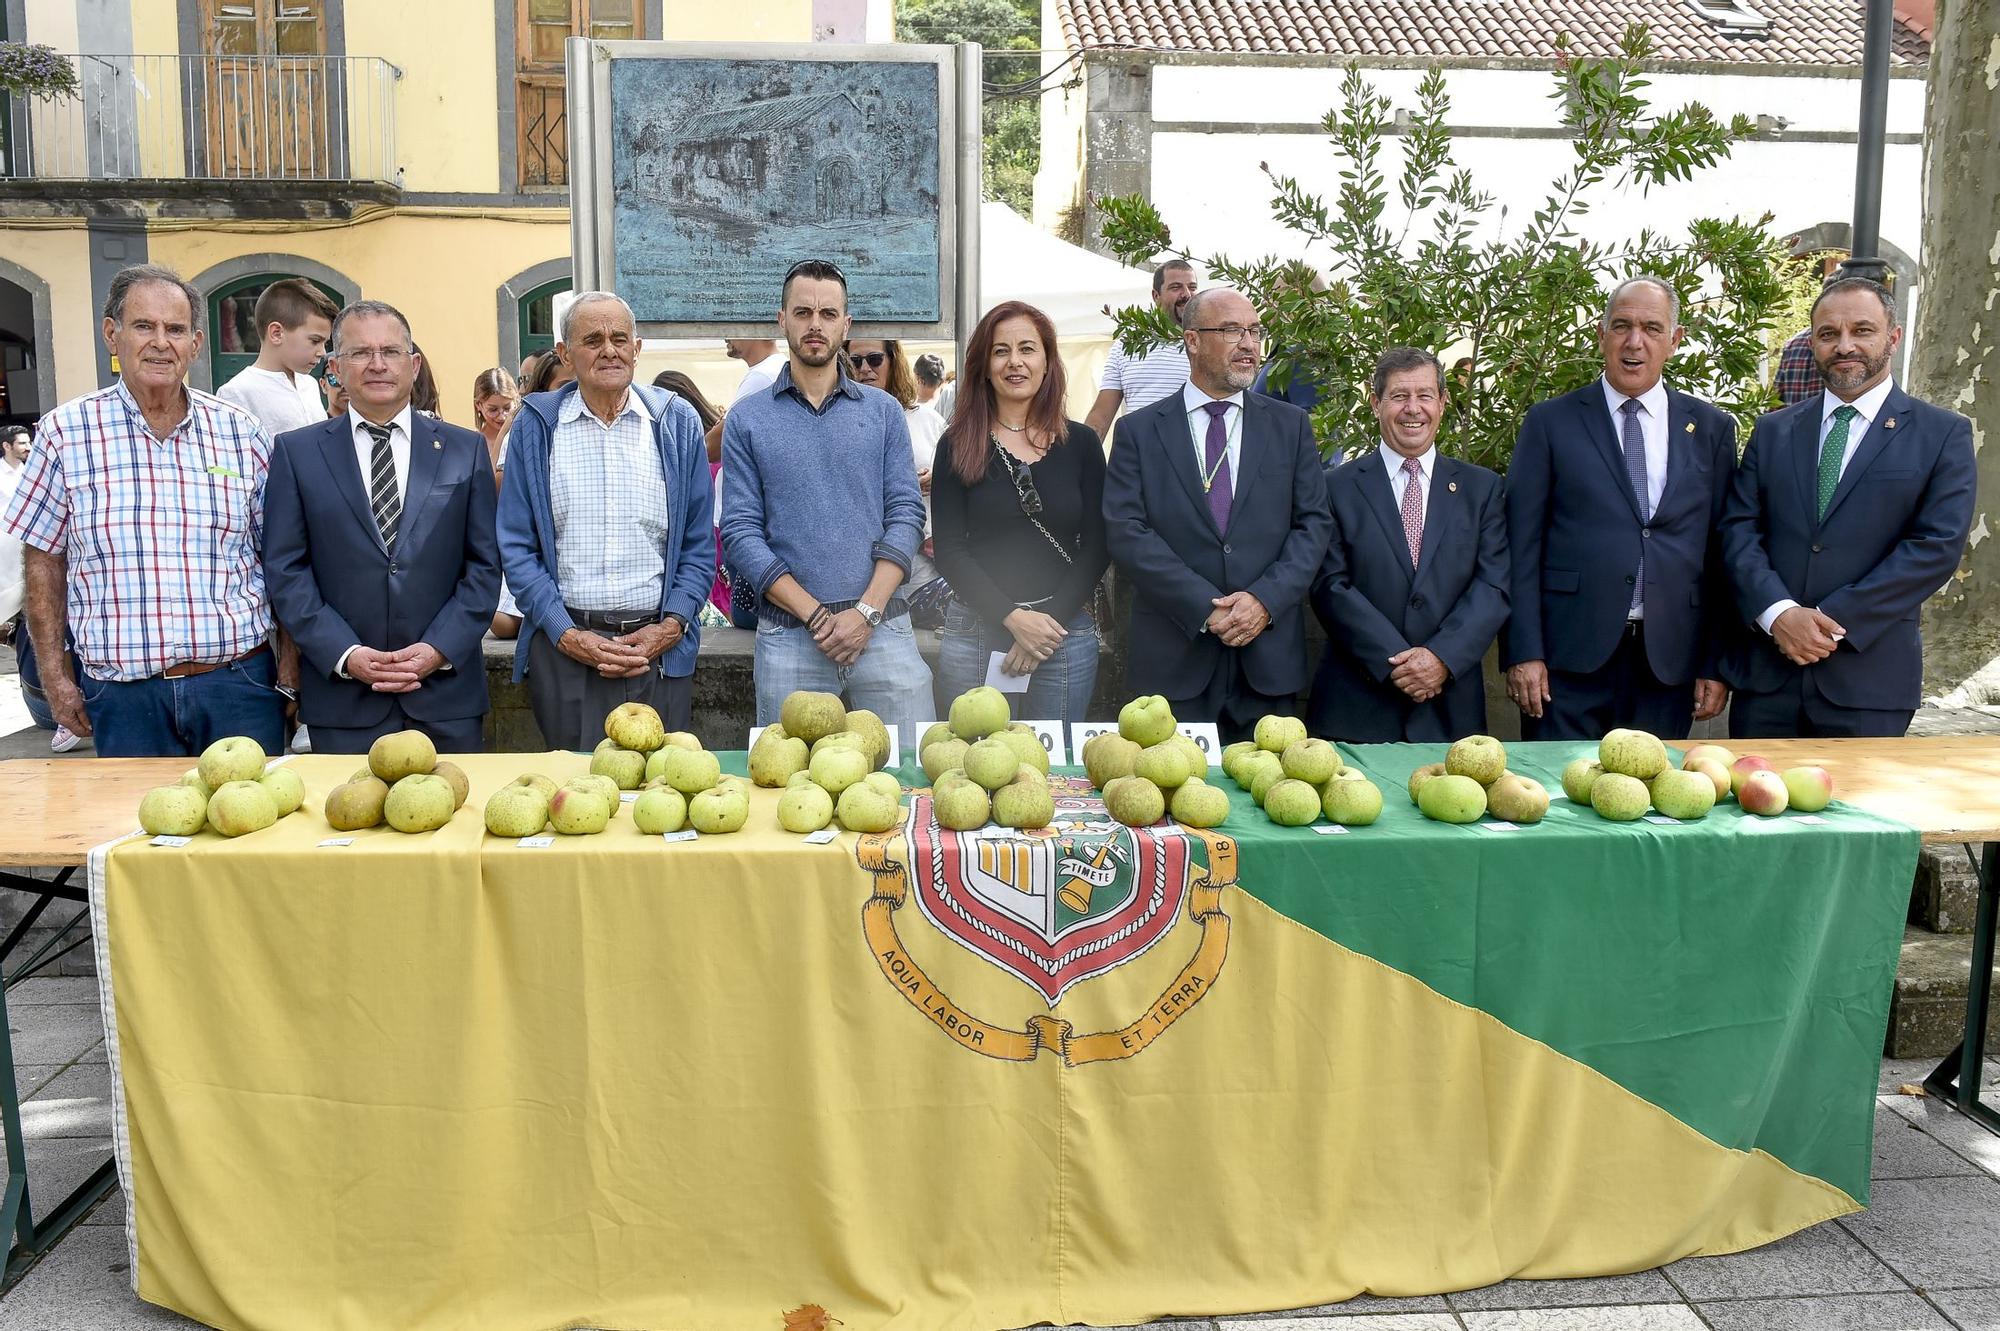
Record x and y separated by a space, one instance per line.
1416 603
1227 549
394 569
1629 579
1646 532
1818 548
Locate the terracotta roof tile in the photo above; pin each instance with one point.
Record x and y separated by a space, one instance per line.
1812 32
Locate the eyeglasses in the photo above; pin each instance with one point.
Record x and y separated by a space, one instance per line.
872 359
1024 481
390 356
1235 332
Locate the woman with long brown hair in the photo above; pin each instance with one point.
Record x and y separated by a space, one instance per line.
1017 507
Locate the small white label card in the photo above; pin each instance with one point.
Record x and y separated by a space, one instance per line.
535 842
821 837
338 841
1082 732
685 834
1204 735
1663 820
1050 734
1808 818
1498 827
1330 829
996 678
170 841
627 796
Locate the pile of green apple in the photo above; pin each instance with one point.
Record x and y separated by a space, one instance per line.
828 762
228 790
1473 781
405 785
985 767
679 784
1295 778
1708 774
1148 770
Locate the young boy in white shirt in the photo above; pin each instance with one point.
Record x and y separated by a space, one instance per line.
294 319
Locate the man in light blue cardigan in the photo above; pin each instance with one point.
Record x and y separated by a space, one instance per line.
821 515
604 535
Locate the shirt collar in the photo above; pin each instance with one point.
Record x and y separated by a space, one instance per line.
1654 399
1193 399
1426 461
1869 404
783 384
401 421
572 407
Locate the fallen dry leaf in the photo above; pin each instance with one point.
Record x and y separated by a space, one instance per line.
1911 1088
810 1317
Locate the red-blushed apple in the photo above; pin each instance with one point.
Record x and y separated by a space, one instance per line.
1715 772
1763 793
1740 770
1810 788
1713 753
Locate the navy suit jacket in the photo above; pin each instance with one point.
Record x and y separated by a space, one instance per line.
1165 543
333 583
1374 604
1893 534
1575 531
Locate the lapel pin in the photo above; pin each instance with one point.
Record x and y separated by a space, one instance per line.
1889 424
1451 486
438 445
1690 427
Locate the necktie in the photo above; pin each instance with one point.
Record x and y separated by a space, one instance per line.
1635 471
1830 454
1413 508
382 484
1215 465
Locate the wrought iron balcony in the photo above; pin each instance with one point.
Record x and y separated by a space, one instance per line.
211 118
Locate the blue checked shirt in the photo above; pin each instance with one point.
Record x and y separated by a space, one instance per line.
609 501
163 537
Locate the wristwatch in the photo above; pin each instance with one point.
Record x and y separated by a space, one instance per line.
869 613
679 619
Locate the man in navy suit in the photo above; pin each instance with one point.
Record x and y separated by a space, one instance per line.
1621 607
380 553
1414 584
1215 511
1850 510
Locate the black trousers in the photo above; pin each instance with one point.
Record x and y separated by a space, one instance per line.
1624 694
1799 711
1231 703
570 700
460 735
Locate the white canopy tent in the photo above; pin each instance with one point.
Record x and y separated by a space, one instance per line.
1017 261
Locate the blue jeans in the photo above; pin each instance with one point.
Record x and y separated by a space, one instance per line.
890 680
178 718
1061 686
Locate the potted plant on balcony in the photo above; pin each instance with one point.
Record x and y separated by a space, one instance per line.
32 71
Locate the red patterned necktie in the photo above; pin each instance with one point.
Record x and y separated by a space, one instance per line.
1413 508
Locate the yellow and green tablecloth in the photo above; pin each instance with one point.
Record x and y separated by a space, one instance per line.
446 1081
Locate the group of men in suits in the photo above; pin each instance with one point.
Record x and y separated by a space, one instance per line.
1633 571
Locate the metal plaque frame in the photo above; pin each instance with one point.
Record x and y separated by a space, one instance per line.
593 233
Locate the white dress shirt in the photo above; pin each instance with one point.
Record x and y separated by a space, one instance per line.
1398 478
364 453
1868 406
1195 403
1652 431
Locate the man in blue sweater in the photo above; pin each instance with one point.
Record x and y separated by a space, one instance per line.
821 515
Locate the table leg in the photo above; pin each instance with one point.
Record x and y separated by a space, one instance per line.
28 1239
1956 1080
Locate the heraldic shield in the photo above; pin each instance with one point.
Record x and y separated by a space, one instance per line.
1052 906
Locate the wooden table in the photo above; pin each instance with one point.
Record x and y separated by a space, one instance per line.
1948 788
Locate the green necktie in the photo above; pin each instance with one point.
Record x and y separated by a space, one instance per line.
1830 454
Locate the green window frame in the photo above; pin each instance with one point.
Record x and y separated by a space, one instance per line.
537 316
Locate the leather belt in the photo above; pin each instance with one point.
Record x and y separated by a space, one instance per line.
189 669
605 622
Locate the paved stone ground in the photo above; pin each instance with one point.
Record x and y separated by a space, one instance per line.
1924 1257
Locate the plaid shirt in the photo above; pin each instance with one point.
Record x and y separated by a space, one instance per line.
1798 373
162 536
609 501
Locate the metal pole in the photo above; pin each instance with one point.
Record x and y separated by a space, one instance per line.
1864 251
971 134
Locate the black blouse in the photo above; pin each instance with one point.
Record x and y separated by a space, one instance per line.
990 551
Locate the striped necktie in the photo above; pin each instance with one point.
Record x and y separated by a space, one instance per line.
382 494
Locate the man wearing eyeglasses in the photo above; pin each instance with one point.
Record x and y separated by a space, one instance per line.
381 558
823 516
1216 512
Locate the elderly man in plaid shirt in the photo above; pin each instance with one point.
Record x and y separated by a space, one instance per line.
142 514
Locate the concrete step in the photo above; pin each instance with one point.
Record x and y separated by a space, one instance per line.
1927 1011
